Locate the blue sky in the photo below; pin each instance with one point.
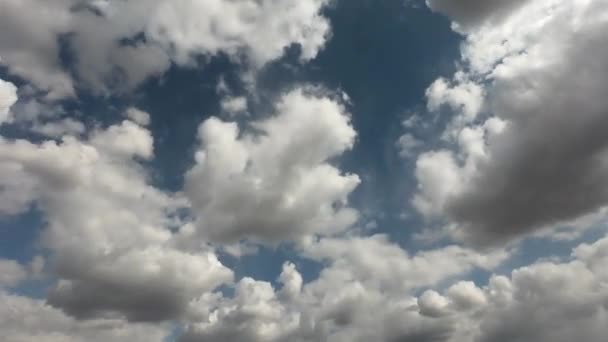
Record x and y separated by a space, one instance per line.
282 170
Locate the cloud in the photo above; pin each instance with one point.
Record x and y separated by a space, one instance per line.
406 144
24 319
107 228
11 273
8 97
234 105
544 301
261 30
363 275
537 158
276 182
29 32
469 13
115 46
138 116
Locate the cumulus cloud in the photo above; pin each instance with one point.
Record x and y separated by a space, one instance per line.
8 97
29 32
118 45
24 319
544 301
540 158
108 229
234 105
138 116
11 273
363 275
274 182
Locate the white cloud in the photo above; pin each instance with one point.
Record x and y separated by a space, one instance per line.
107 228
540 160
406 144
30 320
234 105
11 273
29 32
274 183
363 275
544 301
8 97
59 128
138 116
260 29
103 37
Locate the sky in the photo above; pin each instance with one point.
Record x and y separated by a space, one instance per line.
303 170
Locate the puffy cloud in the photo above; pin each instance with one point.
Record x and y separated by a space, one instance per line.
11 273
544 301
107 228
336 306
118 45
59 128
254 314
363 275
406 144
540 159
261 29
465 295
234 105
138 116
24 319
276 182
29 33
388 266
8 97
432 304
548 302
462 95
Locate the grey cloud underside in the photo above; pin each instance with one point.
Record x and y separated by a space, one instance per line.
543 302
551 164
548 166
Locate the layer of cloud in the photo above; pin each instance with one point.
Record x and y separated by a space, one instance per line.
8 97
544 301
117 45
24 319
541 157
107 228
363 275
276 182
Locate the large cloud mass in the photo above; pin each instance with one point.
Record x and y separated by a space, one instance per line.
108 228
542 158
276 183
116 45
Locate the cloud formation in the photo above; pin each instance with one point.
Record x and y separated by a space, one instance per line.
108 229
116 45
274 182
363 275
8 97
23 319
534 155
